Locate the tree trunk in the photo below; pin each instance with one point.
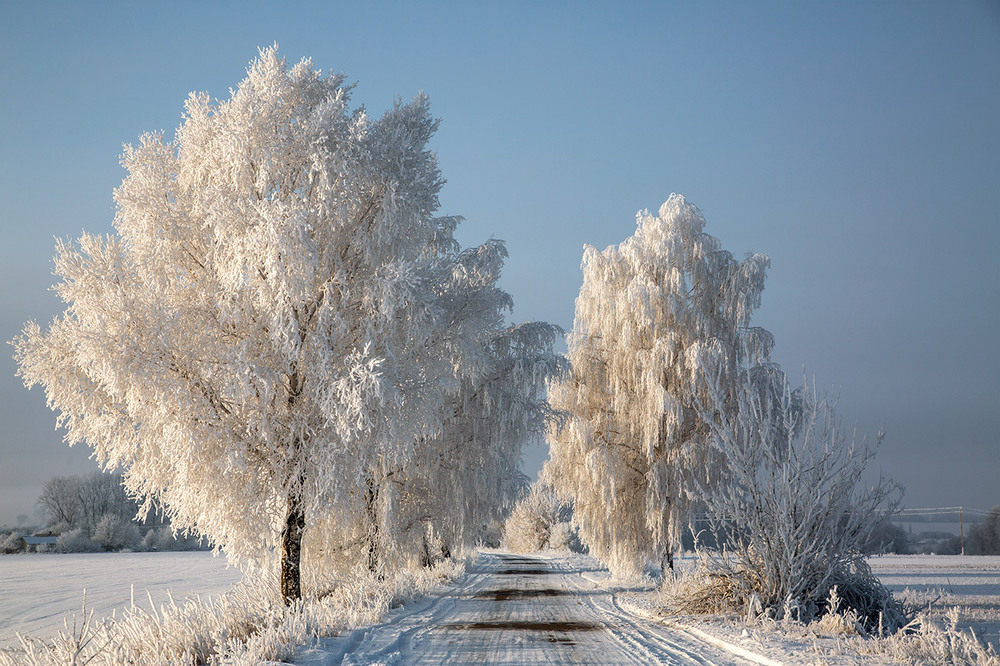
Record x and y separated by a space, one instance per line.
426 559
374 561
291 552
667 561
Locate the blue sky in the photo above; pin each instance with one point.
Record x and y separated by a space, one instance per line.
857 143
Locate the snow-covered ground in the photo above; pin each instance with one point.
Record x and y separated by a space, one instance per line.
970 583
956 575
552 606
39 590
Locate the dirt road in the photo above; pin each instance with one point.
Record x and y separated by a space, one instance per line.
518 610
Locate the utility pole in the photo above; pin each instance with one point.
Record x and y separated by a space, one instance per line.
961 529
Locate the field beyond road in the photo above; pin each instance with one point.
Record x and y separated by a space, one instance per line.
38 591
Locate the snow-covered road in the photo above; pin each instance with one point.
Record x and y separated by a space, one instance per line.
517 610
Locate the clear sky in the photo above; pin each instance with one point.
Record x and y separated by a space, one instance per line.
857 143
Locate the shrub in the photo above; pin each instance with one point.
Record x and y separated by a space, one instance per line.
12 543
791 519
76 541
113 532
926 641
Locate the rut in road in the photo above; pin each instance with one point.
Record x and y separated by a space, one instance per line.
552 631
511 609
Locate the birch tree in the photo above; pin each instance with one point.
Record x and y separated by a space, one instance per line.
276 323
473 474
653 315
466 475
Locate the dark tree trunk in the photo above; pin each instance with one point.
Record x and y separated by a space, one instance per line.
291 552
667 562
374 559
426 559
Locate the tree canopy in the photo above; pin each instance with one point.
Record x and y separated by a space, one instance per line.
280 322
656 316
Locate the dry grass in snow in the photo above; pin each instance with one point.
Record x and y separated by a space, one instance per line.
952 602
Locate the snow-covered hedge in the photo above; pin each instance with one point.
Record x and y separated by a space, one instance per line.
76 541
114 532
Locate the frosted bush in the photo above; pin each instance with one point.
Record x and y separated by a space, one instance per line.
924 641
76 541
791 518
114 532
12 543
561 536
837 621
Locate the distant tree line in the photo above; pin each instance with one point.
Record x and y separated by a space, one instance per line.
984 538
981 539
94 512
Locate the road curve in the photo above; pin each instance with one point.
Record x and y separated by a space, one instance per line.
512 609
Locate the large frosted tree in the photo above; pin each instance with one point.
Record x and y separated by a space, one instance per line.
656 316
280 320
466 474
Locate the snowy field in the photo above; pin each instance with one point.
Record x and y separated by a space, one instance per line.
37 591
955 575
938 582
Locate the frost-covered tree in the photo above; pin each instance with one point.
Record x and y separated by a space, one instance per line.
278 323
463 478
469 474
539 520
653 314
114 532
82 501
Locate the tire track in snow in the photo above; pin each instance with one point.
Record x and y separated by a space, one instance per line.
513 609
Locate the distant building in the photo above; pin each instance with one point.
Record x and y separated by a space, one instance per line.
31 543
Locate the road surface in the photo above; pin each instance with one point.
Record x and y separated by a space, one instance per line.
517 610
